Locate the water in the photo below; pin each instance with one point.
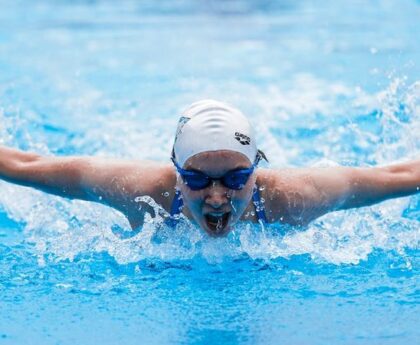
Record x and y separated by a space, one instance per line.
324 83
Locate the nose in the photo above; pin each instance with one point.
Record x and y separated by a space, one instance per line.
217 195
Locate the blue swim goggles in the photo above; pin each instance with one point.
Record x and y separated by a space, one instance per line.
234 179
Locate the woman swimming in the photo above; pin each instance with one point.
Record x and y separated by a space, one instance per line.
213 179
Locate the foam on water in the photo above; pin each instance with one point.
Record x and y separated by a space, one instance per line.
325 83
367 129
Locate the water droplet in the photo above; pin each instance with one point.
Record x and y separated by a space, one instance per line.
219 225
252 213
262 200
166 194
233 206
100 197
262 188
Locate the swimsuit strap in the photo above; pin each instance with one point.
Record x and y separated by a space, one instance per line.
259 206
178 203
176 209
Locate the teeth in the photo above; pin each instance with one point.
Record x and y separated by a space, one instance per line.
216 220
216 214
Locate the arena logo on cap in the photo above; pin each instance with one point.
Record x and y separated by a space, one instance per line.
242 138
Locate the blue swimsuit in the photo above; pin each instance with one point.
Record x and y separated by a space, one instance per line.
177 204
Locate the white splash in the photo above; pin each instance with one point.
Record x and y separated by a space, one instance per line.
63 229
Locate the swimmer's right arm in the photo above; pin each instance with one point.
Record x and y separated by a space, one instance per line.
53 175
113 182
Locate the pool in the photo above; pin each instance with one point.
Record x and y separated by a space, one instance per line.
324 84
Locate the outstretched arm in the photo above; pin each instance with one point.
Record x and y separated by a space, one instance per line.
368 186
309 193
112 182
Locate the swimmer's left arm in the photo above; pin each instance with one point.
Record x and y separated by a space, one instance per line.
307 194
368 186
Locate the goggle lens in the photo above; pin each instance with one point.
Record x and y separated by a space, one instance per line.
232 180
235 179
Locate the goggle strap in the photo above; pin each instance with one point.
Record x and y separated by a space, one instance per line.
260 155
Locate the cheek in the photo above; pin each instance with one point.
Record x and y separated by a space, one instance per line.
240 199
192 199
240 202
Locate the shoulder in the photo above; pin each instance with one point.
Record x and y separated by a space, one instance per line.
287 194
147 179
153 179
125 180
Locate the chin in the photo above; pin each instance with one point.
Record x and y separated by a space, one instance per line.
221 233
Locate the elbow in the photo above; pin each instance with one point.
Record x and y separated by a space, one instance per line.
403 180
407 171
16 168
27 164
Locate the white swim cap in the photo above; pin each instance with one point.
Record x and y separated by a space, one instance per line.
209 125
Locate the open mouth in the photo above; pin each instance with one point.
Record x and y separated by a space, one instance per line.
217 222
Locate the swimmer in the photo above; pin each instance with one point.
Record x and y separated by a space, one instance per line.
213 179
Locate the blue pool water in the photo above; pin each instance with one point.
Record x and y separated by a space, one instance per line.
324 83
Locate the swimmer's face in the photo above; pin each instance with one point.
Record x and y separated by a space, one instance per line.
217 207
